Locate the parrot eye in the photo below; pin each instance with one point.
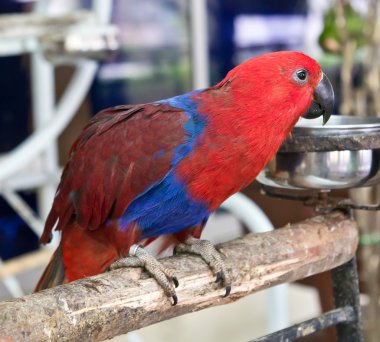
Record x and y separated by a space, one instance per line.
300 76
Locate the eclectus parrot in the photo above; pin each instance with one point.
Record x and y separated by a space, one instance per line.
139 172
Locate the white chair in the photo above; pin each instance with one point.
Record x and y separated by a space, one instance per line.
34 163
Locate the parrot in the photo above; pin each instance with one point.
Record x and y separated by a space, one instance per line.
141 172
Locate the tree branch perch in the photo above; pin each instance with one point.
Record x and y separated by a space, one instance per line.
114 303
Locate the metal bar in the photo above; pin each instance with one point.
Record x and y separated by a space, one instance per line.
311 326
43 94
346 293
24 211
348 204
319 200
65 109
199 41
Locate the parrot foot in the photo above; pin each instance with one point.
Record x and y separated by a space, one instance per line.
139 257
211 256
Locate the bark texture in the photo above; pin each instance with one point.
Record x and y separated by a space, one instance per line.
107 305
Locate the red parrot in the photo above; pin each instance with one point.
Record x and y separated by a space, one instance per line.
138 172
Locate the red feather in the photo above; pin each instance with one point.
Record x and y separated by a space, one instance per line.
117 147
249 116
110 163
126 149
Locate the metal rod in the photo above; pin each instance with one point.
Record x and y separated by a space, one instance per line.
43 92
320 200
310 326
199 41
26 213
346 292
64 110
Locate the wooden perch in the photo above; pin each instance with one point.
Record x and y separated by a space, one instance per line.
110 304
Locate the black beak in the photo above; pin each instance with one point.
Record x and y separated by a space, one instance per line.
323 101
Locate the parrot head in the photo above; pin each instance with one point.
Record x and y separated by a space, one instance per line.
288 84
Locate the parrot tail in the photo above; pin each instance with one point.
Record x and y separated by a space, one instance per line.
83 253
54 273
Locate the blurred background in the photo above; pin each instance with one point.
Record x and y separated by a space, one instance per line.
61 61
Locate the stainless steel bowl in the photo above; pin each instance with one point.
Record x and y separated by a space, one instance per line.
345 153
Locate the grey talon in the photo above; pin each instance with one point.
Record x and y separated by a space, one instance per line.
219 277
175 281
211 256
228 291
139 257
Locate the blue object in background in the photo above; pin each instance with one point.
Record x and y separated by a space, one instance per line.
15 236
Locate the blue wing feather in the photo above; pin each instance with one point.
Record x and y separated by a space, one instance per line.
166 207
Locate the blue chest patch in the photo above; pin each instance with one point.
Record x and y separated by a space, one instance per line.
166 207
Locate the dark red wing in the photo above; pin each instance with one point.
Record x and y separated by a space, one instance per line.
119 154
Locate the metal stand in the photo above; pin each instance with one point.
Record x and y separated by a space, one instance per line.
346 294
346 316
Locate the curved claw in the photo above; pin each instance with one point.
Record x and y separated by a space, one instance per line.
228 291
219 277
139 257
175 281
211 256
175 300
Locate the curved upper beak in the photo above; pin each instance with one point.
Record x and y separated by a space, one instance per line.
323 101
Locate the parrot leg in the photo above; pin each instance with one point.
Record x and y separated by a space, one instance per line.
139 257
211 256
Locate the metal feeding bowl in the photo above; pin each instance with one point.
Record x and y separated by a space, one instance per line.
345 153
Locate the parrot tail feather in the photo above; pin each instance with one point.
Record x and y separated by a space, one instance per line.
54 273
